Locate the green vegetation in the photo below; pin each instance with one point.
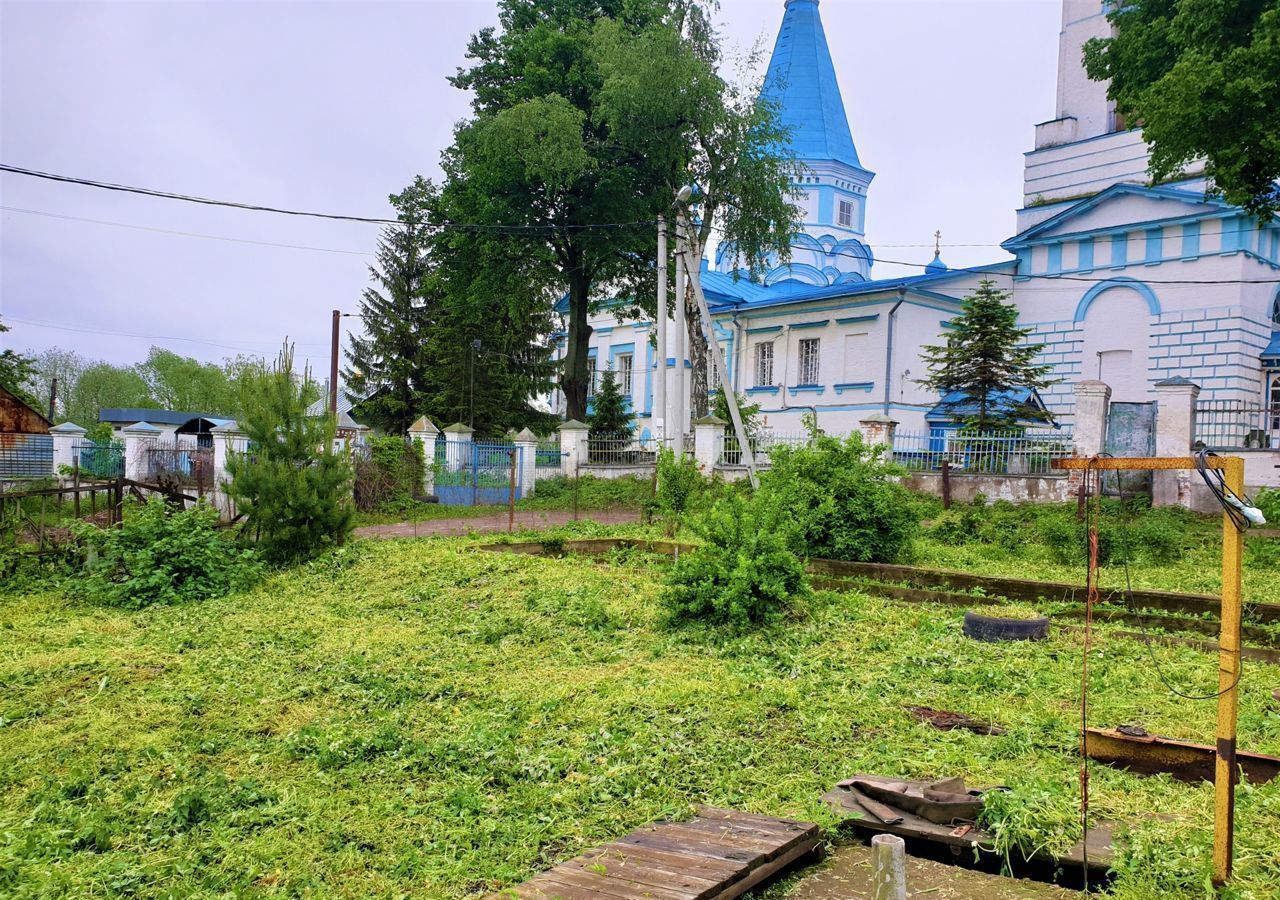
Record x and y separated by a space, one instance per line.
296 501
1201 80
159 556
611 411
834 499
418 718
392 476
679 483
743 574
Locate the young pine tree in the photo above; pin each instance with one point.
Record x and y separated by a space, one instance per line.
610 415
984 360
292 486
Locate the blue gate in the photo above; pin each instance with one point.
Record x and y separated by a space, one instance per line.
100 460
471 473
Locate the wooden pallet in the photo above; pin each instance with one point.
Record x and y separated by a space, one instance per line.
720 853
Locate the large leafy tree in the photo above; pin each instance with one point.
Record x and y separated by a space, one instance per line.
388 363
64 366
102 385
581 150
184 383
985 362
1202 79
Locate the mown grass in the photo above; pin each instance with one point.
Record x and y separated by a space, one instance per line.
421 718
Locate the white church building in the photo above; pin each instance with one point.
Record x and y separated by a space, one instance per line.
1121 280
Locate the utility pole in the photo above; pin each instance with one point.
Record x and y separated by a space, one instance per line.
660 417
679 402
53 404
333 366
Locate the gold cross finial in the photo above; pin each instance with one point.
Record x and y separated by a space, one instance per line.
937 243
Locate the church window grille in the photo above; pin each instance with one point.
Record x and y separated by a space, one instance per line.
764 364
1275 311
593 380
809 348
846 213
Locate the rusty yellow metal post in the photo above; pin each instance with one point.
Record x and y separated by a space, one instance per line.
1228 683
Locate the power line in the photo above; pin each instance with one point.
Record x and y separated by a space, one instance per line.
148 337
192 234
369 220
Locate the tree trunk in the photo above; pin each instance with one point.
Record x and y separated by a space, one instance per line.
699 362
574 379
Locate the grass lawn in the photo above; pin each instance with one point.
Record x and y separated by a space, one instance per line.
417 718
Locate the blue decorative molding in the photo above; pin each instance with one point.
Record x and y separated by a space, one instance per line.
1190 239
866 386
766 389
1155 246
857 320
603 329
807 389
1084 261
798 325
1153 302
1119 251
1054 266
768 329
948 324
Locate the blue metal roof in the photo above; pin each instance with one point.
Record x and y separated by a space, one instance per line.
1273 349
956 405
129 415
802 81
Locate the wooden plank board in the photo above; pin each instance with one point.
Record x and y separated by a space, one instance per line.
717 855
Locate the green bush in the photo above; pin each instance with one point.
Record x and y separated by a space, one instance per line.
392 476
159 556
1268 501
743 575
834 499
631 492
679 482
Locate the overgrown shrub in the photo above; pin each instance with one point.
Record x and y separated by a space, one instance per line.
391 477
744 574
834 498
161 556
678 484
592 493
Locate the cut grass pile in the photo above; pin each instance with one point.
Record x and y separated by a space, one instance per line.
420 718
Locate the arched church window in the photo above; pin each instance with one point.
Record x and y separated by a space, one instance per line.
1275 310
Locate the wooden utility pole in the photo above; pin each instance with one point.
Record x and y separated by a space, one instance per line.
333 366
53 399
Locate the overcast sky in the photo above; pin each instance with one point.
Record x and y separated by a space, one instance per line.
333 106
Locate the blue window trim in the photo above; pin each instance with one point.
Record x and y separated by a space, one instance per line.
768 329
1119 251
1155 246
1084 261
1054 264
1153 302
857 320
1191 239
948 323
806 389
867 386
798 325
765 389
603 329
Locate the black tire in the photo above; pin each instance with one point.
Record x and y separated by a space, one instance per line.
993 628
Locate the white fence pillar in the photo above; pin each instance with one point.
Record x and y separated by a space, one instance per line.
227 439
1175 431
65 437
423 430
138 439
878 430
527 443
1093 404
573 447
708 439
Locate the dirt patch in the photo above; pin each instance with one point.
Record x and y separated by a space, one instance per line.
846 875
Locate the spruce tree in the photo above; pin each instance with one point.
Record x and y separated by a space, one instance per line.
292 486
610 415
985 359
387 370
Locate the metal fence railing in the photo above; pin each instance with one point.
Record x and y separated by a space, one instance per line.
1011 452
103 459
547 458
178 461
731 450
1237 425
25 456
622 450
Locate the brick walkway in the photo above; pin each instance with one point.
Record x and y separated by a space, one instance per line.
525 519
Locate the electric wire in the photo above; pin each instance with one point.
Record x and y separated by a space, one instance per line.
370 220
